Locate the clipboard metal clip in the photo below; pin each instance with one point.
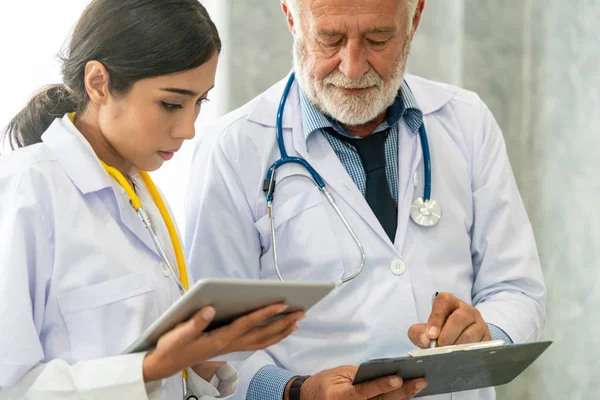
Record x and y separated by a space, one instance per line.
455 348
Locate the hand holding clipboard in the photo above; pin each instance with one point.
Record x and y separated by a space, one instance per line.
468 358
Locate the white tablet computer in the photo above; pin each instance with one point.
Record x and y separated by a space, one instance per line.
231 299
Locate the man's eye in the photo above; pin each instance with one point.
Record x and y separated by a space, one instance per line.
333 44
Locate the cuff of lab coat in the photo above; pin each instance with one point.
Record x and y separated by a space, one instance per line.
222 386
519 317
248 368
153 388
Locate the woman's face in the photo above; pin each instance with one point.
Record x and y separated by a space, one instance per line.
150 123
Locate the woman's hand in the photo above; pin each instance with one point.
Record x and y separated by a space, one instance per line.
187 344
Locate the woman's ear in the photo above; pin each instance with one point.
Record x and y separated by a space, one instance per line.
97 82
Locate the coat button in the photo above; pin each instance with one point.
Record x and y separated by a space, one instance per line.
165 269
398 267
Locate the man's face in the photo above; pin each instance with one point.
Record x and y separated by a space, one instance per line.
350 55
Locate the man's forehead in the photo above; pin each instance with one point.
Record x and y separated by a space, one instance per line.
349 6
325 9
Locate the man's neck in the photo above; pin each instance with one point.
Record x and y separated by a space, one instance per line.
367 129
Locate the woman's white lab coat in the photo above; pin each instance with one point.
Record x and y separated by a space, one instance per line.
80 278
483 250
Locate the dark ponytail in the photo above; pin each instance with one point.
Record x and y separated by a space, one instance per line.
134 40
27 126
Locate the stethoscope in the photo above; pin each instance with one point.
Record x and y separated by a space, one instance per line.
424 210
180 280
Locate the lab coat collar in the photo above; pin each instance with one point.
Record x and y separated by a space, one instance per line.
328 165
430 97
264 111
79 161
76 156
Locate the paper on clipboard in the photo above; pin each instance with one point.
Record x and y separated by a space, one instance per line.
456 368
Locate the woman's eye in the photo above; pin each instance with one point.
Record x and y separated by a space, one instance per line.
202 100
171 107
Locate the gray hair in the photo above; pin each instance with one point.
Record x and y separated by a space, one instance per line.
295 8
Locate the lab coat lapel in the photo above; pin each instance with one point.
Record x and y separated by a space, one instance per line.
324 160
80 163
409 148
129 218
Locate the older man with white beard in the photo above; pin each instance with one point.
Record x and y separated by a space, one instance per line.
362 123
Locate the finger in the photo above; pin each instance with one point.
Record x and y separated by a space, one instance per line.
444 305
409 389
276 338
456 323
417 335
195 326
376 387
226 336
247 322
472 334
275 328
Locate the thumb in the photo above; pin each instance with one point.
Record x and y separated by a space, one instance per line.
417 334
193 328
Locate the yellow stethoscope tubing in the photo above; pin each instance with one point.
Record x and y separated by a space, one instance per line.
137 206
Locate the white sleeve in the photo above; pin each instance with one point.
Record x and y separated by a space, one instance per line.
509 287
26 254
222 386
107 378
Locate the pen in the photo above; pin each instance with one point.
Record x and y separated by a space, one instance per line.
433 342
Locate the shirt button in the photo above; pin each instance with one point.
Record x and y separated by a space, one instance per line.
398 267
165 269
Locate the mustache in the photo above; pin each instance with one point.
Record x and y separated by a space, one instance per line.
368 80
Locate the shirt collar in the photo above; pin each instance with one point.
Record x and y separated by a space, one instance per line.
404 106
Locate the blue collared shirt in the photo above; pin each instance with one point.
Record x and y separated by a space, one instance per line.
270 381
403 110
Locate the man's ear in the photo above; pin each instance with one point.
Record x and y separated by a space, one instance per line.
288 16
417 18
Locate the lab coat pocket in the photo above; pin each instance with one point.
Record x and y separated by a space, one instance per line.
104 318
306 245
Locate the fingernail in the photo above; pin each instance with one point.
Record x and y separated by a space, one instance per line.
296 326
433 331
395 382
421 385
425 339
208 313
282 308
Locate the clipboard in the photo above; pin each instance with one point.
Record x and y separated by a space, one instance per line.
456 368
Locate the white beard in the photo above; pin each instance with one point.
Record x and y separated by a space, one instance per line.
351 110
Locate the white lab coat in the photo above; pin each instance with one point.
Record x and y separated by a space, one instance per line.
80 278
482 251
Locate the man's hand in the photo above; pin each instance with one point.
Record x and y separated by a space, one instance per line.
452 321
334 384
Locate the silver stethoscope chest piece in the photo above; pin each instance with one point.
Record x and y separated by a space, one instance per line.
425 213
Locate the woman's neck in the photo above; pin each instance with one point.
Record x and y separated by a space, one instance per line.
90 130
